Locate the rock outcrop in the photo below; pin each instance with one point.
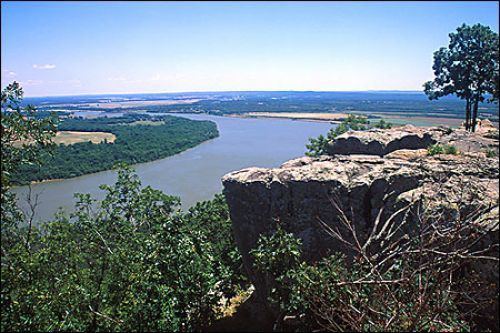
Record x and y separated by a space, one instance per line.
486 139
381 142
299 194
306 193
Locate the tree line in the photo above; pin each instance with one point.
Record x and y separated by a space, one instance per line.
133 144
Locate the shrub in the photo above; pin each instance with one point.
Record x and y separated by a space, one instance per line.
318 146
382 124
437 149
409 284
450 149
491 153
134 264
211 220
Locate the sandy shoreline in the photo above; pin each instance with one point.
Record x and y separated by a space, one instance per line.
303 116
336 118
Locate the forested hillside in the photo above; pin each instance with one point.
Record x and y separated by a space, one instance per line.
137 141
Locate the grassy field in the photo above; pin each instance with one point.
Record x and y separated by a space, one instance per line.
71 137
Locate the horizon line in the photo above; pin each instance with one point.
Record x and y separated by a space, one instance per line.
227 91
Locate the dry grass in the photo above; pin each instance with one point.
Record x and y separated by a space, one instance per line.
71 137
230 309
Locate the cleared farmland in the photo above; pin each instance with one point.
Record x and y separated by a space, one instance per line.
71 137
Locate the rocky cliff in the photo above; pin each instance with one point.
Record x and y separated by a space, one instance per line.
367 174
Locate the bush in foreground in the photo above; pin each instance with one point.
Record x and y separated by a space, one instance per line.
429 280
135 263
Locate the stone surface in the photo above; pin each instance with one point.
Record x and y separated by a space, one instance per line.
299 194
481 141
381 142
305 194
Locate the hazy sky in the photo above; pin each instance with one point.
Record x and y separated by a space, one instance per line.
68 48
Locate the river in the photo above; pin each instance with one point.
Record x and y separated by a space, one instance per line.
194 174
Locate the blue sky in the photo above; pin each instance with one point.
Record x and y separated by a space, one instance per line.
64 48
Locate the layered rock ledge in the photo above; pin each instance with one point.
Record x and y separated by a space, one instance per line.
393 169
381 142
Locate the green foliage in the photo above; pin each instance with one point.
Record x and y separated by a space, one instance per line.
318 146
211 219
467 68
491 153
437 149
382 124
333 294
275 256
133 263
18 125
450 149
136 263
134 144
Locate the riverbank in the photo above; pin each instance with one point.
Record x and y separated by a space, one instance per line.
336 118
194 174
135 143
306 116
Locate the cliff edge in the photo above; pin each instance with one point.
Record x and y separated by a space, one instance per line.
367 175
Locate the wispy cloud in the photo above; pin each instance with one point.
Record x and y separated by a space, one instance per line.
44 66
8 73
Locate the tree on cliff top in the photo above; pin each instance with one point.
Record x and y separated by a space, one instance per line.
467 68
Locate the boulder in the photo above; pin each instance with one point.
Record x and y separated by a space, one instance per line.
381 142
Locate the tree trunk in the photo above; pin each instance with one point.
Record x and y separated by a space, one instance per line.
474 114
467 114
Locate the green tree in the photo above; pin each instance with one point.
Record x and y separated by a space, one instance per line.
467 68
23 136
382 124
132 263
211 219
135 263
